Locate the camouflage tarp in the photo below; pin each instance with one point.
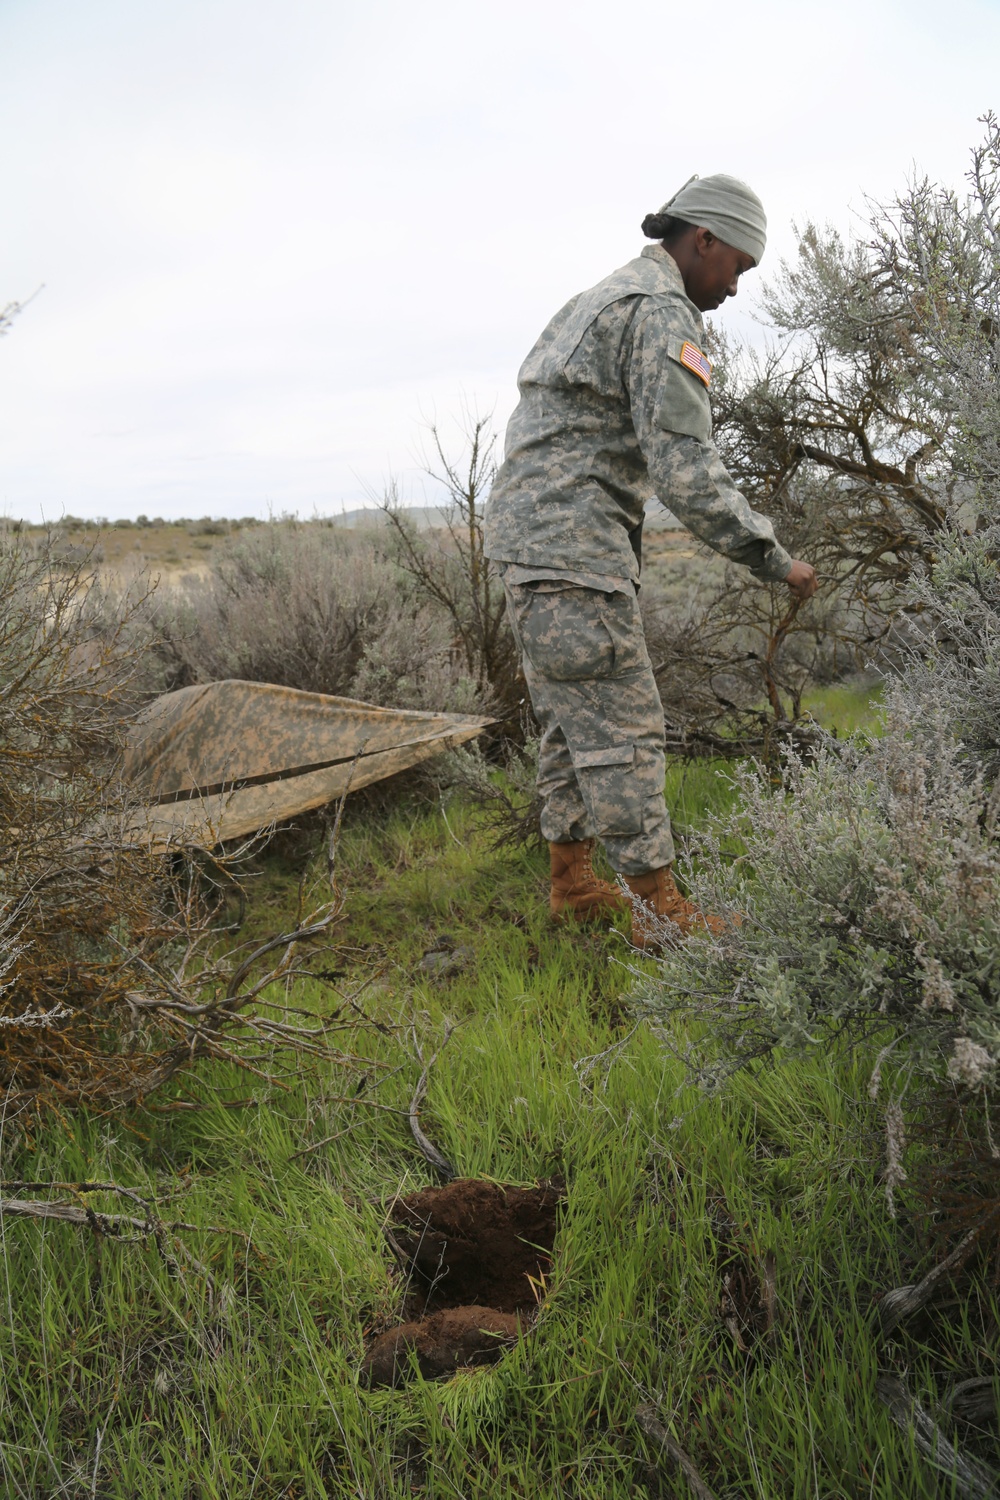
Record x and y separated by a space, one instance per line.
218 761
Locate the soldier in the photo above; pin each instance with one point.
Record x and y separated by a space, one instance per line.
614 408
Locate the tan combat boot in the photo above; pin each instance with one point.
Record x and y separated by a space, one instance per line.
659 898
575 893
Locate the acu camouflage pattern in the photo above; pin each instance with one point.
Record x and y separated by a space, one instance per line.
601 764
608 417
223 759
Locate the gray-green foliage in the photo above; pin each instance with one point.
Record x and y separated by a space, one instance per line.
509 799
862 428
869 881
867 898
310 607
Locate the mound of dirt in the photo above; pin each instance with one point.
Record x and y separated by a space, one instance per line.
448 1341
474 1255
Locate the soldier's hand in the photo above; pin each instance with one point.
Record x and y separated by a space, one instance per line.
802 580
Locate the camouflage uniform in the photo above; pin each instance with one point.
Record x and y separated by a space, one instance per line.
613 410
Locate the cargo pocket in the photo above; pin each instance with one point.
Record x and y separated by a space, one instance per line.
612 793
564 631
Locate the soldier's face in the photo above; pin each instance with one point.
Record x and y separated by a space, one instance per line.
713 271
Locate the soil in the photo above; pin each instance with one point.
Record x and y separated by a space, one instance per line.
475 1243
454 1339
475 1255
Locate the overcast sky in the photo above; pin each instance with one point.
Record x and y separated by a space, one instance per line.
273 238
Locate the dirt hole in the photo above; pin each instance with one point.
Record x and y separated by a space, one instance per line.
474 1257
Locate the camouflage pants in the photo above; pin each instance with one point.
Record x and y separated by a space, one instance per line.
601 767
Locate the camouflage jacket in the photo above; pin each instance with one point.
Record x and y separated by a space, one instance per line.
614 409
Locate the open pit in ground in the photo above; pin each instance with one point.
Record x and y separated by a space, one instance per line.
474 1257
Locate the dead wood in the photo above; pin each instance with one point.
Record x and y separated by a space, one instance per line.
973 1400
679 1461
72 1213
902 1301
117 970
437 1159
971 1479
126 1229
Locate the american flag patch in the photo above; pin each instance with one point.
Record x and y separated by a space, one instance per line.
692 359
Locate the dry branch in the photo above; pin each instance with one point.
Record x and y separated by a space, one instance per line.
970 1478
902 1301
124 1228
72 1213
679 1461
117 968
436 1158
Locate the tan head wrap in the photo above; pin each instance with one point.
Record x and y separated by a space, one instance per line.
726 206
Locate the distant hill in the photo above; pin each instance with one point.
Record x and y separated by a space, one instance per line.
433 517
423 517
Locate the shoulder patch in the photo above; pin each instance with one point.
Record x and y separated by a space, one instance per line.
692 359
683 406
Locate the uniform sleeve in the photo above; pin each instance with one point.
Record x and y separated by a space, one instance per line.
673 423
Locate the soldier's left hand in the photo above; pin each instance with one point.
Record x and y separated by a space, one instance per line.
802 580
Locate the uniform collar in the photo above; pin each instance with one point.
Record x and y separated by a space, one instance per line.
666 263
672 279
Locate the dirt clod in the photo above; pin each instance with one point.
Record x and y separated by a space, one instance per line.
455 1338
475 1243
474 1255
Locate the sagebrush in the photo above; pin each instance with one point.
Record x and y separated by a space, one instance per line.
116 967
863 889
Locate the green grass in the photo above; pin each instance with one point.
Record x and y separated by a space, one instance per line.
843 708
120 1376
696 789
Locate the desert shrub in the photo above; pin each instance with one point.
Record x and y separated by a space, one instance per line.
112 976
866 896
448 570
411 662
868 883
506 795
310 607
284 604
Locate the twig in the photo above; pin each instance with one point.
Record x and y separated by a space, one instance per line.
447 824
197 1104
584 1066
97 1459
654 1429
440 1162
334 839
74 1187
773 647
351 1099
326 1141
284 940
125 1228
72 1213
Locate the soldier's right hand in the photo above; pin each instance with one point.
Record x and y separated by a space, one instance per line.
801 579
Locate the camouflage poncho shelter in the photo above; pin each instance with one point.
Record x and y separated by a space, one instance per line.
614 409
223 759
